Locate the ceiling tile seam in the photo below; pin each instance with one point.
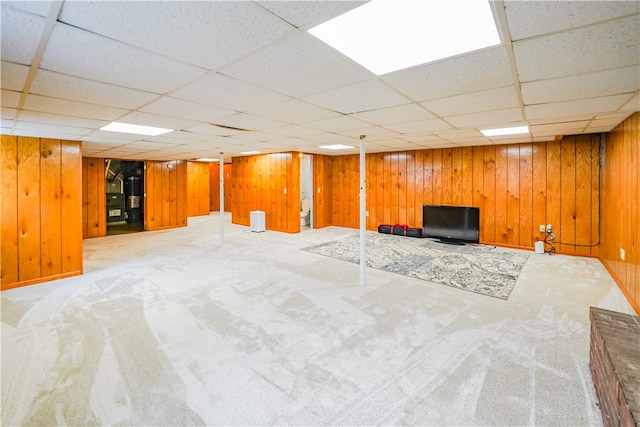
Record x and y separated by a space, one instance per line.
581 27
52 17
589 98
631 97
503 26
603 70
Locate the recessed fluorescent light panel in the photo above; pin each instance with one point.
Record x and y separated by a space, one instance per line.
250 152
517 130
390 35
135 129
336 147
204 159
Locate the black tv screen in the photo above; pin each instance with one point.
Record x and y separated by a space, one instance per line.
451 223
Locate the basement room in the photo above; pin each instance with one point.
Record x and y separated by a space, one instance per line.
320 213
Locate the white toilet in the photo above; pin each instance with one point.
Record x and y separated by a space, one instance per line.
304 212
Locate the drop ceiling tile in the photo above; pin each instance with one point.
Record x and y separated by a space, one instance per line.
157 120
599 129
206 33
294 111
476 71
610 45
168 106
8 114
224 92
20 35
309 13
10 99
558 128
603 83
370 95
76 89
332 138
392 115
208 129
591 106
336 124
249 122
484 119
40 7
533 18
295 131
13 76
298 66
42 128
632 104
58 119
488 100
431 125
82 54
65 107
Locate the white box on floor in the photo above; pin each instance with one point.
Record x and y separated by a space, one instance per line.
257 221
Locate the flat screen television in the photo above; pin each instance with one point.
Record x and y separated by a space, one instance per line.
451 224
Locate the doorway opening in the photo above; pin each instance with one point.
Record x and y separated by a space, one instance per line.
125 202
306 192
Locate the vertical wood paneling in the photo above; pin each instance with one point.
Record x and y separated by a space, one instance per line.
322 176
502 195
513 195
41 210
71 209
526 196
166 189
478 184
402 188
386 189
50 207
620 214
418 184
9 214
446 176
517 187
29 208
467 176
94 217
264 179
489 191
583 200
539 193
456 176
554 194
436 174
198 191
567 230
427 177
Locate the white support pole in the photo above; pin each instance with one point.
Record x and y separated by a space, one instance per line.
221 164
363 216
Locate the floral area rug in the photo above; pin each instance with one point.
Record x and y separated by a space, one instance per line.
482 269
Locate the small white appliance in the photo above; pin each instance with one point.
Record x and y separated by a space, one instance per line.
257 221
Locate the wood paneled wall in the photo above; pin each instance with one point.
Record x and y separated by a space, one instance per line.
94 201
197 188
517 188
620 211
214 180
269 183
41 210
166 190
322 187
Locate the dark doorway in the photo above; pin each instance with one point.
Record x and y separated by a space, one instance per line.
125 201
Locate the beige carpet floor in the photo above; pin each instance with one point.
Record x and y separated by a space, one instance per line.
169 328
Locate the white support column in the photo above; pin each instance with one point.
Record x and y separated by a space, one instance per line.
221 164
363 216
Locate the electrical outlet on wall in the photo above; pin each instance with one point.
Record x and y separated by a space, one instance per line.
622 254
542 228
549 229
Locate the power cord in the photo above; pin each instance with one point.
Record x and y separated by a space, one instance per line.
550 239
